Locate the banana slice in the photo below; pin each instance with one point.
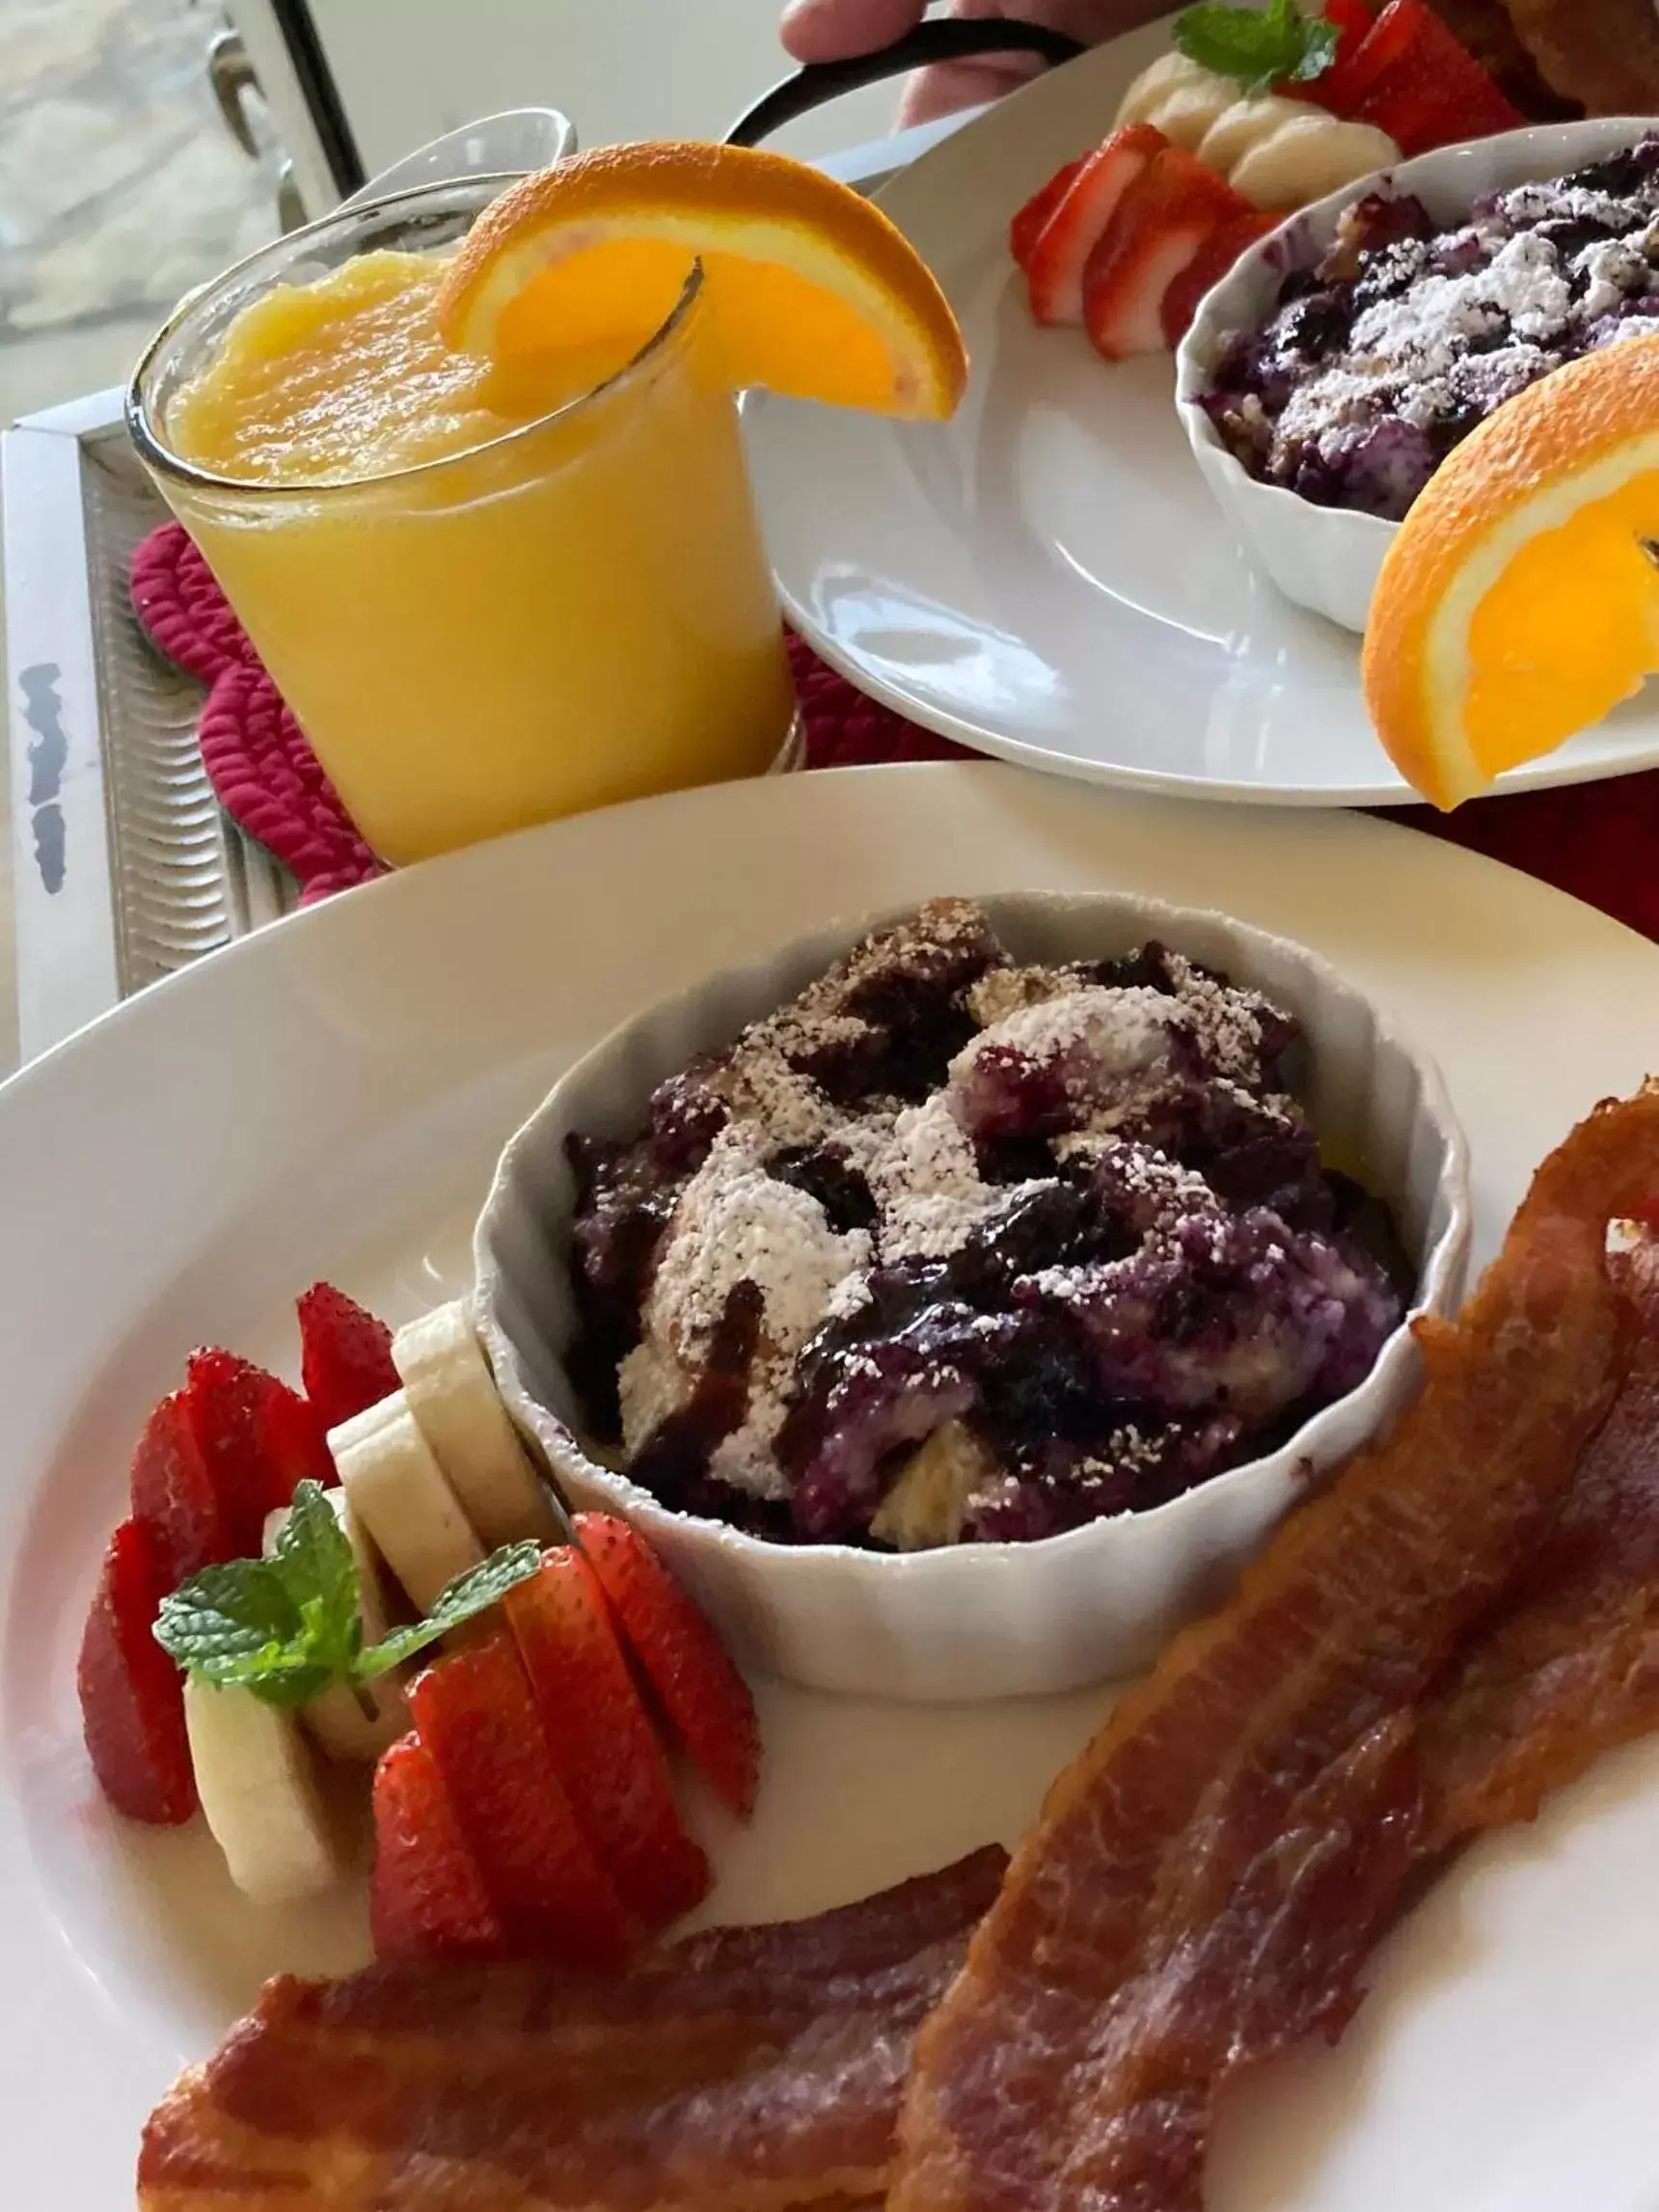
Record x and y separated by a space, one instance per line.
1308 157
452 1395
354 1724
398 1490
1170 74
260 1793
1242 127
1189 114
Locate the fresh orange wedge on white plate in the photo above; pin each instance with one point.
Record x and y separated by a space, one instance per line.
810 290
1519 602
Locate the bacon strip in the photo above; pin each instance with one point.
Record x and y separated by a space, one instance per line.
1205 1880
1571 1668
747 2070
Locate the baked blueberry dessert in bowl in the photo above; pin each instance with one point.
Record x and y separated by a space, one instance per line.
1327 376
959 1299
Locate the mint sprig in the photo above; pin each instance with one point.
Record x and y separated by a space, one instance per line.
1258 47
289 1626
468 1595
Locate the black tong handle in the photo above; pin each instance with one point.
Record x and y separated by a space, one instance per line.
948 41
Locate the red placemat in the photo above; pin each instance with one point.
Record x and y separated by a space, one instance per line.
1599 841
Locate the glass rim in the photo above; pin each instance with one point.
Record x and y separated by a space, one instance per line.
158 457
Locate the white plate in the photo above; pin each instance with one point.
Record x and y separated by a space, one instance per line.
1048 576
328 1098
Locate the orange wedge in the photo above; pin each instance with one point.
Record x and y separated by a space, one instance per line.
808 289
1520 601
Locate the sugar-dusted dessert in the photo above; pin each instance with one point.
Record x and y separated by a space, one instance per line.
950 1249
1379 360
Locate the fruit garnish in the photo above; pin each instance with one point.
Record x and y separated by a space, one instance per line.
289 1626
1258 47
133 1703
458 1410
601 1740
426 1895
354 1720
401 1496
1519 601
173 1495
1412 77
1032 220
476 1714
704 1698
1162 224
1206 268
1056 265
259 1441
345 1354
808 288
259 1794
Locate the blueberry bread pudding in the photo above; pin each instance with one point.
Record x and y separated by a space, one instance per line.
950 1249
1380 359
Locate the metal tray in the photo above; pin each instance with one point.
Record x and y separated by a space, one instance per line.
125 870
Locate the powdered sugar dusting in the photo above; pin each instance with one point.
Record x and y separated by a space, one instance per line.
735 1224
926 1182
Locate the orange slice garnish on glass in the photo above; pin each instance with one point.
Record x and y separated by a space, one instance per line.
1519 602
808 289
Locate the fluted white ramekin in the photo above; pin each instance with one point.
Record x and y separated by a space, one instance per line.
995 1620
1328 558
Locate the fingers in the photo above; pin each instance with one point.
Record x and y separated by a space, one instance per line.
830 30
956 85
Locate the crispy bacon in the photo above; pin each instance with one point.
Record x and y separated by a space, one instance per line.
1570 1667
1205 1880
747 2070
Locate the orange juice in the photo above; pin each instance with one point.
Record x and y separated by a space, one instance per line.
485 606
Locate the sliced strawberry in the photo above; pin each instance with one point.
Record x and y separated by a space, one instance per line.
132 1695
1032 220
705 1699
174 1495
476 1714
1335 87
1206 268
1163 223
1054 267
427 1895
1414 79
259 1441
603 1745
345 1354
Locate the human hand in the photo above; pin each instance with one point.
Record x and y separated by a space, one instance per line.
831 30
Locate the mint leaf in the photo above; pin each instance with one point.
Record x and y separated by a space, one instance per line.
1321 40
1258 47
227 1614
469 1594
314 1561
285 1628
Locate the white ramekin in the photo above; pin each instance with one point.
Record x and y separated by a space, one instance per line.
978 1620
1328 558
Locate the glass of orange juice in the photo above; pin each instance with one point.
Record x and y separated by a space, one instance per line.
485 606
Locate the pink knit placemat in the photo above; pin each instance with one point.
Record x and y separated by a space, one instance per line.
1599 841
266 776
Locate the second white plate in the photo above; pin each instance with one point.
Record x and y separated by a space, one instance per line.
1047 577
328 1098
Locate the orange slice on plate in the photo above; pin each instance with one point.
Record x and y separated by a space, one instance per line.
809 290
1519 602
